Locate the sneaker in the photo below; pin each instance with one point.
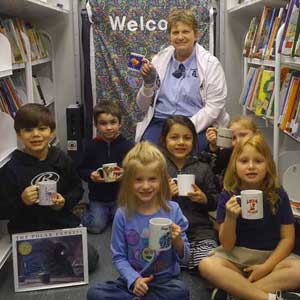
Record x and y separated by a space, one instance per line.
287 296
219 294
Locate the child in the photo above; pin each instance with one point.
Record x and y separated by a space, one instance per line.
35 128
253 260
145 273
179 142
242 127
109 147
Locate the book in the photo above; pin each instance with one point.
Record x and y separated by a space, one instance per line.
265 92
290 102
247 85
269 31
258 45
250 36
287 95
289 38
296 44
254 89
283 42
271 42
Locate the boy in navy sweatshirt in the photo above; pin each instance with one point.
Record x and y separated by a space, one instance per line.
36 162
109 146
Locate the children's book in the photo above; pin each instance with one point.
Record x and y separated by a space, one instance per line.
250 36
268 30
291 30
261 32
265 92
247 85
254 88
290 102
271 42
296 44
288 35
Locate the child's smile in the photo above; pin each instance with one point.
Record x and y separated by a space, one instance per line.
251 167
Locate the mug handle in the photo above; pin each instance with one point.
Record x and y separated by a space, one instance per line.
239 198
101 172
175 180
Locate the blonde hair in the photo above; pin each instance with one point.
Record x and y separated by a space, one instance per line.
270 183
182 15
140 156
246 121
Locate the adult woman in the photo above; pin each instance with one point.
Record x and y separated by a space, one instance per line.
182 79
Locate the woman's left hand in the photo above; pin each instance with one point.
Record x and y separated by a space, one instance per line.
197 195
58 202
256 272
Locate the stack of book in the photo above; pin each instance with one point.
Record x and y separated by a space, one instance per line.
16 30
258 96
261 35
10 100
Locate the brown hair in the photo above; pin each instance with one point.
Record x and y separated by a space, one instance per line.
182 120
107 107
140 156
182 15
270 183
33 115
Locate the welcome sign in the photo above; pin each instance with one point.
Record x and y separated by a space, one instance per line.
122 27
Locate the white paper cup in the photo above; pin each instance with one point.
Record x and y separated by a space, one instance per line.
224 137
184 182
252 204
47 191
108 172
160 234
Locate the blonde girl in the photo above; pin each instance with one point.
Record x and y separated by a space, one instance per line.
254 260
144 194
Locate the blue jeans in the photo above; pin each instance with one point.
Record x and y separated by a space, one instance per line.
167 289
153 132
98 216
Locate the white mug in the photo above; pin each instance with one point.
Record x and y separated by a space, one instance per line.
184 183
160 234
108 172
224 137
252 204
47 192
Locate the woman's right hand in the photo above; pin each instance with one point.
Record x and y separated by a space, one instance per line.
30 195
233 208
211 136
148 72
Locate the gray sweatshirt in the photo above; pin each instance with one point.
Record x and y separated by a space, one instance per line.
200 227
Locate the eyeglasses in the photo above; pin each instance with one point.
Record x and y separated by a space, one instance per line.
179 72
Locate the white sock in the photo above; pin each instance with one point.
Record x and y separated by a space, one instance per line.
272 297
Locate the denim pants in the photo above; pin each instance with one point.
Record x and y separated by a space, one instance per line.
167 289
98 216
153 132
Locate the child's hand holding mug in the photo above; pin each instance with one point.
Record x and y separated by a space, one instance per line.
211 136
233 208
96 176
197 195
30 195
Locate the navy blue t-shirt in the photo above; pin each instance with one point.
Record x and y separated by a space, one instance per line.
262 234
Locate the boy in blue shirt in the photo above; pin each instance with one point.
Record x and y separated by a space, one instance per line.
109 146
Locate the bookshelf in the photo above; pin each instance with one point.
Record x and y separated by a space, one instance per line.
56 20
286 148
